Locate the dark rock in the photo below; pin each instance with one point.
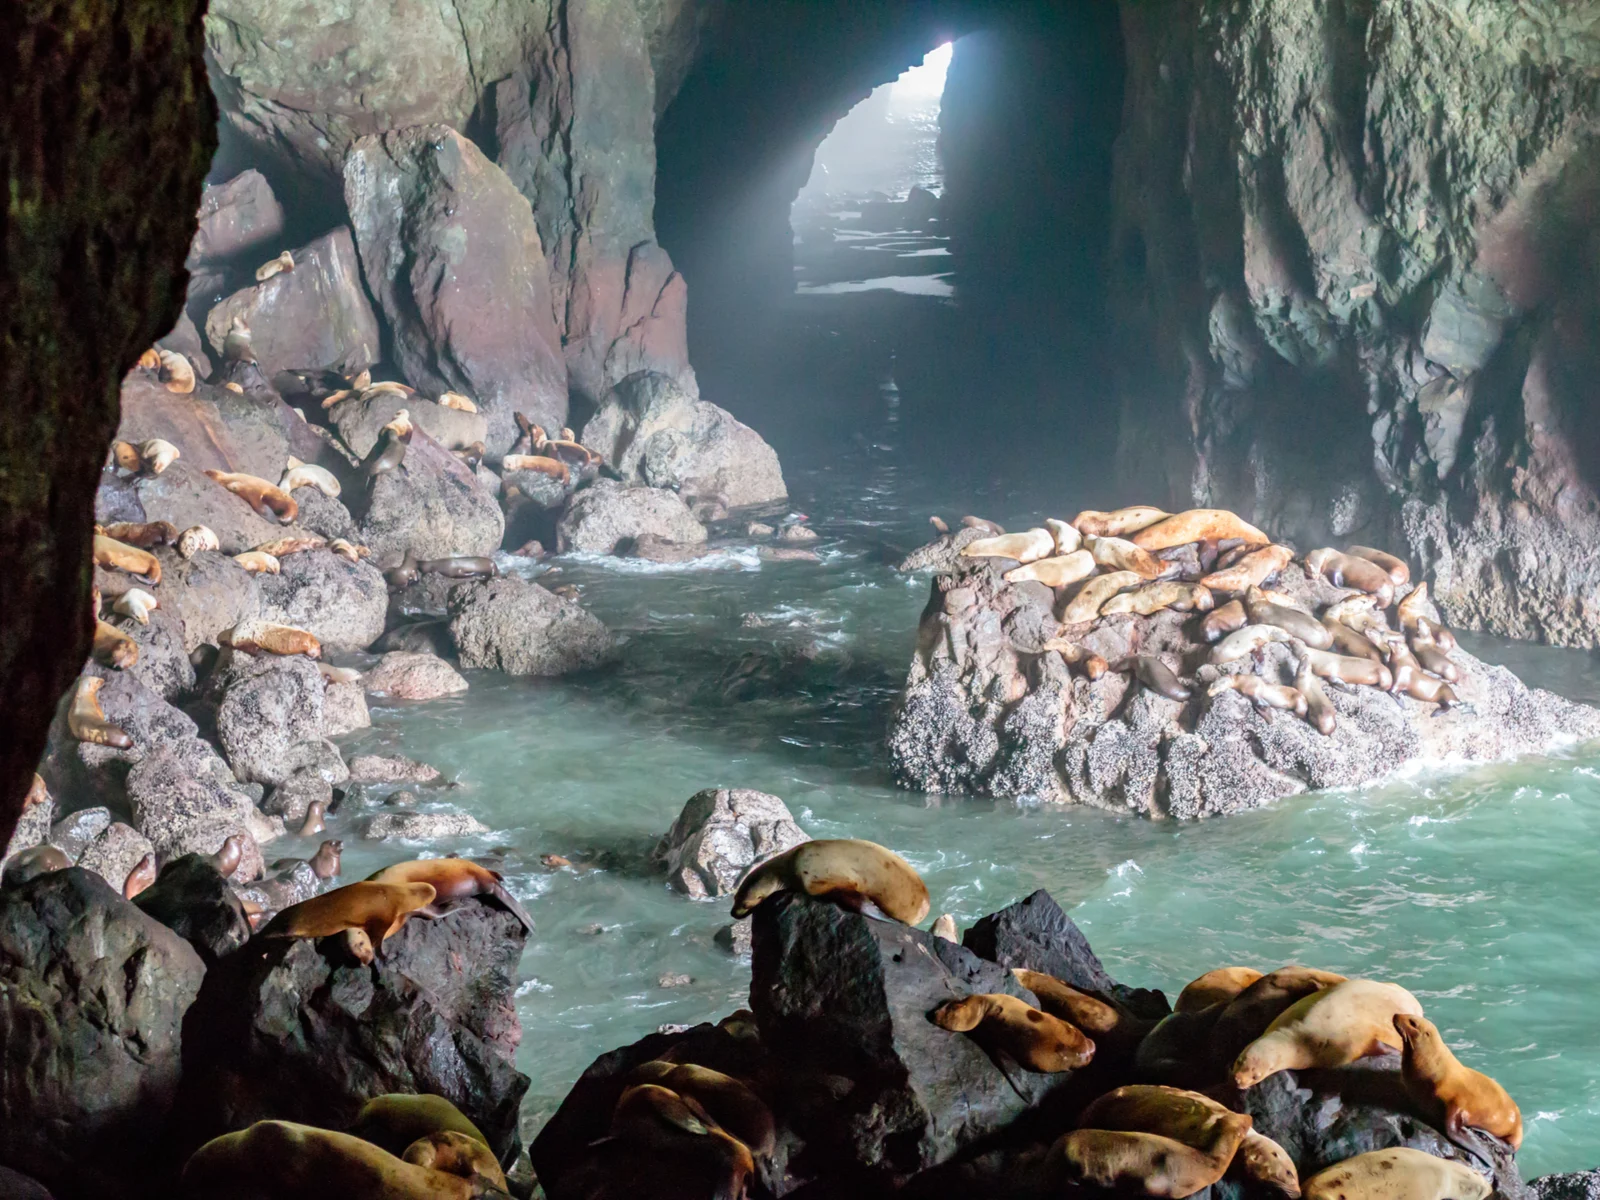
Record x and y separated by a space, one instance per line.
608 512
941 554
116 499
1573 1185
236 217
294 1030
431 506
72 834
454 258
91 1010
410 675
16 1186
360 420
191 898
431 638
208 593
269 720
324 515
184 814
719 834
342 602
519 628
285 886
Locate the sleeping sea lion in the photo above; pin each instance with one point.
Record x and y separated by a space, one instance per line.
1116 554
1026 547
86 720
1154 597
664 1125
112 647
1247 1016
457 1154
1086 605
1330 1028
1219 986
1113 1028
1191 1118
1261 693
1398 1173
1292 621
460 567
396 1120
1154 674
1067 537
108 552
1250 569
848 871
1399 574
1198 525
1220 622
266 498
1345 570
142 534
1033 1038
1142 1163
1320 713
1120 523
1056 571
730 1103
1242 643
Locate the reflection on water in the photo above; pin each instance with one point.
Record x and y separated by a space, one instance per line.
910 285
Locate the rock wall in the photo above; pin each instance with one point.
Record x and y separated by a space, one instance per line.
1354 270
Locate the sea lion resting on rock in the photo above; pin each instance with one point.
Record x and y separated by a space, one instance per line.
1398 1173
1450 1095
1057 571
1251 569
1035 1039
255 636
1154 674
397 1120
266 498
1248 1015
1197 1121
1261 693
856 874
1121 555
1026 547
1144 1163
86 720
1345 570
1120 523
1154 597
136 603
459 567
1111 1027
730 1103
375 910
1199 525
1220 622
142 534
667 1126
455 879
1086 605
108 552
1220 986
1330 1028
112 647
1067 537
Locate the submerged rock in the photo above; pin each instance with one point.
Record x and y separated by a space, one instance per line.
608 513
422 827
719 834
519 628
405 675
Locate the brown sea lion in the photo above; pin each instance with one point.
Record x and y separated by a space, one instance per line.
255 636
1086 604
388 454
124 456
1057 571
325 862
1348 642
1242 643
267 499
1249 569
1292 621
86 720
1119 523
314 822
659 1122
1260 692
1114 1029
1026 547
284 546
939 525
1263 1162
1327 665
1329 1028
1142 1163
1198 525
460 567
472 456
1196 1120
1418 616
141 877
457 1154
1399 574
227 858
1223 620
1433 658
259 562
1320 713
1449 1094
404 575
539 464
983 524
1154 674
396 1120
730 1103
376 909
1345 570
1033 1038
1432 691
1154 597
112 647
143 534
1220 986
1398 1173
108 552
855 874
455 879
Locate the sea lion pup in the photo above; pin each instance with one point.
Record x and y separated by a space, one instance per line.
1331 1028
277 1160
1250 569
457 401
284 262
1223 620
1320 713
195 539
1220 986
455 879
1112 1028
1249 1014
1398 1173
255 636
157 454
1067 537
266 499
259 562
1116 554
86 720
112 647
1346 669
1199 525
32 863
982 523
1292 621
1449 1094
1397 570
1261 693
1085 606
537 463
108 552
125 457
375 910
397 1120
1033 1038
325 862
141 877
855 874
1142 1163
1026 547
1419 617
1056 571
1242 643
314 822
657 1120
730 1103
460 567
303 474
1154 597
1197 1121
142 534
1119 523
1345 570
176 372
1154 674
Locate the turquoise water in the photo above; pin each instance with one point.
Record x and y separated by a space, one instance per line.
1477 890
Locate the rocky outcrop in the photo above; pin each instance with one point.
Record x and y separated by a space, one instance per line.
409 675
522 629
238 217
214 428
431 506
424 826
656 434
181 813
208 593
92 1000
183 496
269 719
343 603
360 421
191 898
719 834
608 513
450 248
114 853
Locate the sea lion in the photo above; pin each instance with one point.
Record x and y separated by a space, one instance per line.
236 345
1242 643
457 1154
945 927
457 401
1195 1120
1398 1173
1153 597
176 372
1118 523
397 1120
108 552
265 498
455 879
1320 713
112 647
1154 674
1033 1038
982 523
1076 656
195 539
228 856
1026 547
1432 691
32 863
1112 1028
1142 1163
663 1124
150 360
1348 642
37 793
1292 621
730 1103
347 550
284 546
273 1160
325 862
1262 1161
566 450
332 674
384 387
1433 659
284 262
377 910
255 636
141 877
1330 1028
539 464
86 720
259 562
1067 537
1347 669
303 474
1219 986
1247 1016
1345 570
314 822
848 871
460 567
1058 571
1450 1095
1223 620
1199 525
125 457
404 575
1418 616
472 456
1250 569
1117 554
939 525
1085 606
388 454
1397 570
156 455
1261 693
142 534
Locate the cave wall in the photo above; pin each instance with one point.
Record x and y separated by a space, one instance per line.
1356 284
109 132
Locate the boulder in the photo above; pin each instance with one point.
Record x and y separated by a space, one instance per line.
344 709
424 827
181 813
33 828
657 434
343 603
431 506
114 853
390 768
508 625
92 1000
212 427
237 217
316 316
292 798
406 675
207 594
323 515
116 499
453 254
163 665
608 512
719 834
360 420
269 719
72 834
191 898
185 339
1572 1185
184 496
295 1030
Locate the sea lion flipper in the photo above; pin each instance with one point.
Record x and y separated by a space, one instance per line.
512 904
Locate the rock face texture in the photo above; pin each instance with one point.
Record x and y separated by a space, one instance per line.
719 834
522 629
608 513
1345 314
431 506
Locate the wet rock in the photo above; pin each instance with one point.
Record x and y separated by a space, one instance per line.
431 506
344 709
519 628
657 434
390 768
316 316
297 1031
454 258
285 886
208 593
295 795
237 217
655 549
92 999
1573 1185
185 497
191 898
183 814
343 603
115 853
72 834
736 938
405 675
719 834
185 339
422 827
212 427
360 421
602 515
269 720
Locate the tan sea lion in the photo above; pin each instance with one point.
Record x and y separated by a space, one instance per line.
86 720
375 910
460 567
195 539
1345 570
1242 643
1397 570
125 456
150 360
388 454
346 550
141 877
1219 986
1223 620
397 1120
1191 1118
1450 1095
260 495
276 266
32 863
1330 1028
385 387
282 547
255 636
1434 659
1154 674
108 552
332 674
303 474
1057 571
945 927
1249 1014
1035 1039
1263 1162
457 1154
1398 1173
1347 641
455 879
1118 523
1116 554
1320 713
156 455
259 562
1142 1163
1086 605
1261 693
1199 525
1026 547
1112 1028
325 862
113 648
1154 597
176 372
1292 621
1249 570
1432 691
848 871
991 527
1067 537
1418 616
37 793
1347 669
228 856
457 401
538 463
142 534
659 1122
939 525
730 1103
